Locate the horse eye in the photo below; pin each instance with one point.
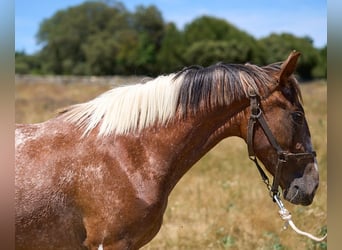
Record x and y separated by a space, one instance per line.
298 117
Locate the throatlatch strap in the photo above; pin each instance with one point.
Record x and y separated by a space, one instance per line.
255 113
250 138
261 171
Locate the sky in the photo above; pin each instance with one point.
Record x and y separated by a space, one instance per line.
259 18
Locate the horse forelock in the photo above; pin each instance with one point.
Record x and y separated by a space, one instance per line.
135 107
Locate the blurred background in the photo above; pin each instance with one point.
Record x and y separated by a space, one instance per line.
158 37
70 51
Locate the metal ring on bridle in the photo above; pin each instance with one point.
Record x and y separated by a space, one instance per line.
256 113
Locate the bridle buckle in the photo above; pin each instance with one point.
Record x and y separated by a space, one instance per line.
256 113
282 156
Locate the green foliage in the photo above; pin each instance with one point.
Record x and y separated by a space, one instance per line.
104 38
149 24
81 39
27 64
276 47
210 52
209 29
274 241
170 56
320 71
227 241
209 40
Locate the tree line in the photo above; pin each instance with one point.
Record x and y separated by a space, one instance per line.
104 38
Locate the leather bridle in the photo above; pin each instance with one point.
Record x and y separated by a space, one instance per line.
283 156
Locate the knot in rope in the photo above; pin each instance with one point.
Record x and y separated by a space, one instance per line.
286 216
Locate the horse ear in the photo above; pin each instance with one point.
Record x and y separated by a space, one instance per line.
288 66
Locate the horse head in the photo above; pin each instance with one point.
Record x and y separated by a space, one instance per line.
282 141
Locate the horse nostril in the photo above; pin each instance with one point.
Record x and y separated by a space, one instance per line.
296 187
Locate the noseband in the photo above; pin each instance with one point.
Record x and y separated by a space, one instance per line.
283 156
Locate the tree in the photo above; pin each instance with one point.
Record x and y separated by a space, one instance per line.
27 64
69 37
171 54
104 38
209 40
100 54
320 71
210 29
276 47
149 24
210 52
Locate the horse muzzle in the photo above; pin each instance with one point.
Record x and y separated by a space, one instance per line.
303 189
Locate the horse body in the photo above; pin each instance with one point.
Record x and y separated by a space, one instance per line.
78 190
124 180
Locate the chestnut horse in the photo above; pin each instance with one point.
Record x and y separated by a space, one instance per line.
98 175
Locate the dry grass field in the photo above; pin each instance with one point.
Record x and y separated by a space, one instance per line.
221 203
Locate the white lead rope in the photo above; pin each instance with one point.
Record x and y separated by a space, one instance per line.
286 216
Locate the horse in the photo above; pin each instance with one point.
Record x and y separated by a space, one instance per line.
98 174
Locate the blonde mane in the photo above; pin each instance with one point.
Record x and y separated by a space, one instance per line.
131 108
128 108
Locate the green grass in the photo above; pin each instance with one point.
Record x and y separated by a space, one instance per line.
221 203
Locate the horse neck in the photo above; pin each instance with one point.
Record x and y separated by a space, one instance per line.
183 142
